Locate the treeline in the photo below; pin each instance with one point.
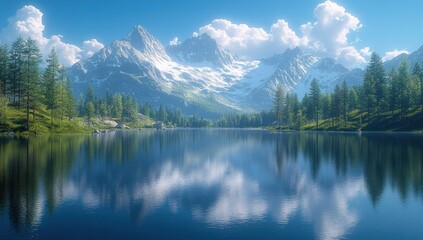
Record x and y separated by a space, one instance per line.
24 87
381 95
116 106
46 96
29 97
126 109
264 118
173 117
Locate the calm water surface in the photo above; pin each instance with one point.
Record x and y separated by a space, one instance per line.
212 184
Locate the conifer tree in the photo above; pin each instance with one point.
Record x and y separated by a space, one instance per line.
31 91
315 95
89 111
352 99
16 65
418 72
336 103
393 91
279 104
344 101
117 106
403 87
4 113
51 76
375 86
4 69
162 114
70 103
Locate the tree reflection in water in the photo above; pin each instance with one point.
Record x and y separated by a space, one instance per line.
222 176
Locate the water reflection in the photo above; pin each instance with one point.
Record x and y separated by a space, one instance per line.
219 177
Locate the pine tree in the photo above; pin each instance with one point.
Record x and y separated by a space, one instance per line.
337 103
89 111
80 105
90 97
375 86
344 101
129 110
393 91
414 91
279 104
403 87
295 107
117 106
287 111
326 106
4 69
418 72
4 113
352 99
103 109
162 114
381 85
16 69
70 103
60 101
31 91
51 76
299 120
315 95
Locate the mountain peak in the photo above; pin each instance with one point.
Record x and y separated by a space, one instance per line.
139 28
139 37
288 55
141 40
201 50
295 50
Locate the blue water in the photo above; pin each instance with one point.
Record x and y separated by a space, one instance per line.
212 184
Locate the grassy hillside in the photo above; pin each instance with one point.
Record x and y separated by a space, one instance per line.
411 121
43 124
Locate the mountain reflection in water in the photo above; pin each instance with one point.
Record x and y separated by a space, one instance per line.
248 182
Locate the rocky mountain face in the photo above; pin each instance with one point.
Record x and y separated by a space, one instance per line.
201 51
412 58
200 77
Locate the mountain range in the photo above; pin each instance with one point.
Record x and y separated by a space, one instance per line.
200 77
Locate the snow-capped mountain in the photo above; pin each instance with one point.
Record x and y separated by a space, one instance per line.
201 51
139 65
257 88
197 76
328 73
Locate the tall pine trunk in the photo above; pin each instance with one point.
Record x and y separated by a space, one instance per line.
27 110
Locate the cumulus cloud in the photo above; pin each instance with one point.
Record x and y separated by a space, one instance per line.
366 52
327 36
240 38
174 41
392 54
90 47
28 22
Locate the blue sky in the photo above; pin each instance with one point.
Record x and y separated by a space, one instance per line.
383 25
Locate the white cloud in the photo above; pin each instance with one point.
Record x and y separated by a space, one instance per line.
327 36
90 47
366 52
349 56
240 38
174 41
392 54
284 37
28 22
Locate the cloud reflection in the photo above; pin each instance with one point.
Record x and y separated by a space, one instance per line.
244 195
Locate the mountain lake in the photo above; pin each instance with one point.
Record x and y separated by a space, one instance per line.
212 184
